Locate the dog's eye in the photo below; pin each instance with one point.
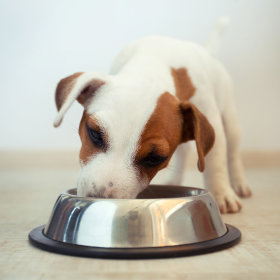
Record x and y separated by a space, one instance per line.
153 160
96 137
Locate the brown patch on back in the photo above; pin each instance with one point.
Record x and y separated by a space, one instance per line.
162 134
88 149
183 84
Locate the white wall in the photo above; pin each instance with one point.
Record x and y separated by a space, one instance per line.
43 41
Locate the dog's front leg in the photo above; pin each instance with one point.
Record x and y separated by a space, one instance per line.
216 175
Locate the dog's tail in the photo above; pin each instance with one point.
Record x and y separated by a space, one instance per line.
213 41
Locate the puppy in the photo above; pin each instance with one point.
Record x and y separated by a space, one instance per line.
161 93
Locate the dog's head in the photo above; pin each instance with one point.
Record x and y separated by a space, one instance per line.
128 132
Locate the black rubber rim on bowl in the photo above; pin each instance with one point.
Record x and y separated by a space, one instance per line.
38 239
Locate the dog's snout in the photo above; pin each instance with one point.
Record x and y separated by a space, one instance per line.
90 194
101 191
97 192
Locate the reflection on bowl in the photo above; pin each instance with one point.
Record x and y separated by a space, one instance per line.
160 216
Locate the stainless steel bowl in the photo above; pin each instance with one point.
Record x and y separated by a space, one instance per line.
159 219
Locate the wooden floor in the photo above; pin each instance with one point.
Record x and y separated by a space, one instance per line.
30 185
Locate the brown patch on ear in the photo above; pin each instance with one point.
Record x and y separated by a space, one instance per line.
63 89
183 84
88 148
196 127
89 91
65 86
162 134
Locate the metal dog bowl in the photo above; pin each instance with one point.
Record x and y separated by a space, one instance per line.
163 221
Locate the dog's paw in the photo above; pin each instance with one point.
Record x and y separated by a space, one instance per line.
228 202
241 188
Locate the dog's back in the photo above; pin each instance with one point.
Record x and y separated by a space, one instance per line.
153 57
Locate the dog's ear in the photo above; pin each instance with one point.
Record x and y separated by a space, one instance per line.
79 86
196 127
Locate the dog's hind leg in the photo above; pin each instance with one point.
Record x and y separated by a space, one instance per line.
232 132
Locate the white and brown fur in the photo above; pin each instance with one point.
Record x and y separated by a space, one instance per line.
161 93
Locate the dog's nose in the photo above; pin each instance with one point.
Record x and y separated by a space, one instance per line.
98 192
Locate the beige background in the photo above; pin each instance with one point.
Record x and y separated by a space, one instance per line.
43 41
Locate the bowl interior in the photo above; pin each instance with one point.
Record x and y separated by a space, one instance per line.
161 191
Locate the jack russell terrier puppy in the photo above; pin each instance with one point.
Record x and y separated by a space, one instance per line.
161 93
